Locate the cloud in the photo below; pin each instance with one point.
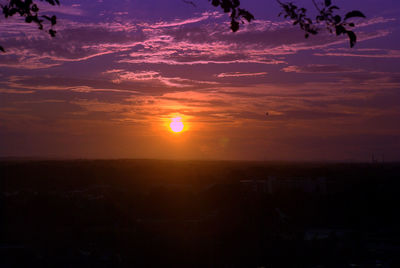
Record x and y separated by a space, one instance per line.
133 76
202 39
372 53
29 84
374 21
13 91
178 22
239 74
320 68
154 77
74 42
74 10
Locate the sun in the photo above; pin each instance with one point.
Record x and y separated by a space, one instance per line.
176 125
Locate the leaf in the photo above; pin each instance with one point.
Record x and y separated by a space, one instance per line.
233 13
52 32
215 3
235 3
234 25
328 3
53 20
353 38
337 19
34 8
248 16
353 14
340 29
52 2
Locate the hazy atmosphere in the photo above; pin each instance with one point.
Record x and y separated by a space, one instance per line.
117 73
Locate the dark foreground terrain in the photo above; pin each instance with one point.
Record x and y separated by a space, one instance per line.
143 213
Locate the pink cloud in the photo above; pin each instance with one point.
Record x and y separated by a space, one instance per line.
239 74
63 9
176 42
374 21
178 22
319 68
120 76
374 53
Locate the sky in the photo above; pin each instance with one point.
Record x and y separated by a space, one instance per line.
110 82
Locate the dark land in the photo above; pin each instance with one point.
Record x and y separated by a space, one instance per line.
148 213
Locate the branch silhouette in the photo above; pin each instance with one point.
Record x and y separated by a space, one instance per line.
30 11
326 16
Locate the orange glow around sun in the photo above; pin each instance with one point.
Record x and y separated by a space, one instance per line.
176 125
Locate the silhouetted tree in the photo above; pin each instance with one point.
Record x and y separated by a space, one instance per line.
30 11
325 16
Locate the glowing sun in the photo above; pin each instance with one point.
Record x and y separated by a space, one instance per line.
176 124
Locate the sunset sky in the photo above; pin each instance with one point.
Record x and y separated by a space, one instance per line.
109 83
